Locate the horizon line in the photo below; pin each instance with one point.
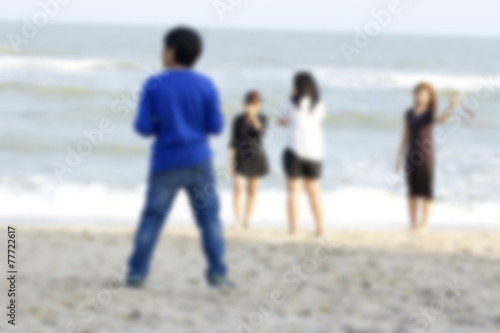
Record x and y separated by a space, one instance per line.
257 29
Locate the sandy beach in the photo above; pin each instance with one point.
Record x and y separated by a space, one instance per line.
351 282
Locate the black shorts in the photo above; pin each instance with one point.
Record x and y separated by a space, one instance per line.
295 167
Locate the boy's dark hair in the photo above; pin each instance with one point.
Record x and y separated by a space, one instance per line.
187 44
252 97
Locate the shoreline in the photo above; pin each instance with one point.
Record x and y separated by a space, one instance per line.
348 209
352 237
304 228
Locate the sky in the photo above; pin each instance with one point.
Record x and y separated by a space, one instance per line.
438 17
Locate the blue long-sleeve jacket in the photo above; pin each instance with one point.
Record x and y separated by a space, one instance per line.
180 108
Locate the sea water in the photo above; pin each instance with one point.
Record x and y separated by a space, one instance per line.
70 78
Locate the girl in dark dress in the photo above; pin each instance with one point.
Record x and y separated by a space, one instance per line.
417 151
247 159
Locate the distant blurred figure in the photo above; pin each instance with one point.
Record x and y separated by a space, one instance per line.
303 156
417 150
247 159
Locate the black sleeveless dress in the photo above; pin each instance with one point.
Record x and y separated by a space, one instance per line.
250 158
420 155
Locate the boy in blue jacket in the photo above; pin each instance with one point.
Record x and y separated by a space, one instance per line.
180 108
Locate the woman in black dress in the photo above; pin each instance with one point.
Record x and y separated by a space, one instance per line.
417 151
247 159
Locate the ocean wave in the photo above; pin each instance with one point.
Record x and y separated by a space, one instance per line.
341 120
333 77
71 203
45 146
359 78
6 49
389 79
54 89
62 65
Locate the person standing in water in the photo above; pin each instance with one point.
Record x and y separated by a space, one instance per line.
303 155
417 151
247 159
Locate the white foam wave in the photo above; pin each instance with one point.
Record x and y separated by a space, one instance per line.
372 78
388 79
348 207
6 49
53 64
333 77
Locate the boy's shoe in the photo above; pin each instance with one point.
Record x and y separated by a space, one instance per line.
220 282
134 282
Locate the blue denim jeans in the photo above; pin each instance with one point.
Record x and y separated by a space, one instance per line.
199 181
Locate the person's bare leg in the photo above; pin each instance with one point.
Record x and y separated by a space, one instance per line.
293 203
252 188
412 212
239 183
426 213
315 199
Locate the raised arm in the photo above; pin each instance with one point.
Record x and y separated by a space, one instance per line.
256 122
455 101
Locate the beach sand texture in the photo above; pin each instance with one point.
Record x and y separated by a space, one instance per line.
353 282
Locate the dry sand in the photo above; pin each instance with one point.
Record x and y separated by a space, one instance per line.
355 282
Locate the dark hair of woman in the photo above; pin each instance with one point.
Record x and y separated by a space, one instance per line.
305 86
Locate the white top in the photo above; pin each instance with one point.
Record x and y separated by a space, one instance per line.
305 135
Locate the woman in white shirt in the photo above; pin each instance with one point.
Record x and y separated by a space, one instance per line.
303 156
